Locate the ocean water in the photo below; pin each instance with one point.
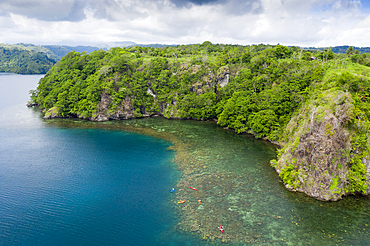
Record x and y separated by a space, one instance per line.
74 182
70 186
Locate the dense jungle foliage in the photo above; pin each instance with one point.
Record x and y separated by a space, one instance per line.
23 61
266 83
255 89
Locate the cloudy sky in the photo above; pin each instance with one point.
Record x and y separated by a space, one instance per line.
91 22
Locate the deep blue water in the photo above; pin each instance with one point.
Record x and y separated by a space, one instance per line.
70 186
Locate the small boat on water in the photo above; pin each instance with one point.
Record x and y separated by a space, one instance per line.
221 228
181 201
193 188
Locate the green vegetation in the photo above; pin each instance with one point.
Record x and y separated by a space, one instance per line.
266 83
289 175
269 91
15 59
31 47
61 50
34 59
344 49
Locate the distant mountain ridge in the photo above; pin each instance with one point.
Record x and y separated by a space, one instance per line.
341 49
21 60
56 52
62 50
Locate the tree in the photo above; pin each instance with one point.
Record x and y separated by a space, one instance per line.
350 51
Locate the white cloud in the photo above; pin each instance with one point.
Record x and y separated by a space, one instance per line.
290 22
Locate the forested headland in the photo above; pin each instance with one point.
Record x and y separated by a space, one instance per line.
34 59
315 105
15 59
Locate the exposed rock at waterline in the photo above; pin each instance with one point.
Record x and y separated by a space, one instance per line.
52 113
32 104
316 158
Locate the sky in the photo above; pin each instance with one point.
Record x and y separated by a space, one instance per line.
94 22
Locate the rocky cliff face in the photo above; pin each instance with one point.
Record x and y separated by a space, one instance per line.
102 108
223 76
316 158
123 112
169 110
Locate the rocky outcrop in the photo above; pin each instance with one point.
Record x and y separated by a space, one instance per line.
52 113
124 111
32 104
102 108
223 75
316 157
198 88
150 92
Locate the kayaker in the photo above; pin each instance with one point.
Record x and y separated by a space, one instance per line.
221 228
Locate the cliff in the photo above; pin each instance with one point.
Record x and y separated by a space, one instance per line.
322 155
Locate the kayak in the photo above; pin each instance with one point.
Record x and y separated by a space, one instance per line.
200 202
181 201
221 228
193 188
172 190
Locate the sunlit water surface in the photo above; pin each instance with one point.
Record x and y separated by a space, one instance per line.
72 182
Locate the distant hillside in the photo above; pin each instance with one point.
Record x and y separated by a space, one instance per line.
341 49
153 45
32 47
344 48
14 59
25 58
107 46
30 58
132 44
62 50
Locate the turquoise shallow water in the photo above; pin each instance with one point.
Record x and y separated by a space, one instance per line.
72 182
242 191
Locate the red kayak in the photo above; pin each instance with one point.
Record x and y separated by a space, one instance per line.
221 228
193 188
